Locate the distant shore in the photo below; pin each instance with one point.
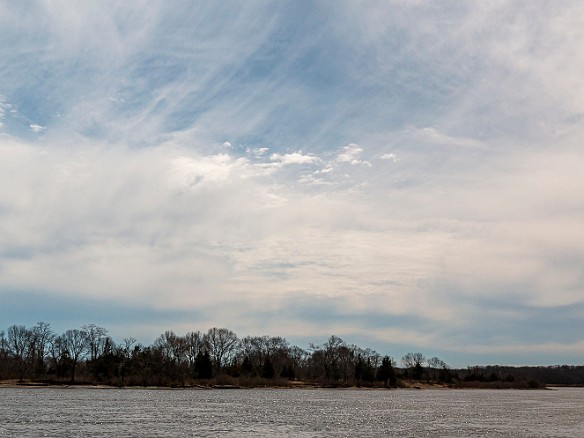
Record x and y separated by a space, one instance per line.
407 385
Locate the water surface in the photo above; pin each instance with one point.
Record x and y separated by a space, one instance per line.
85 412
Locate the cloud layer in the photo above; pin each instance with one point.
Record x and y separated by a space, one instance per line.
407 176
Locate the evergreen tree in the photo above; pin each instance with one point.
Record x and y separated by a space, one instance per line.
203 366
268 369
359 368
247 367
386 373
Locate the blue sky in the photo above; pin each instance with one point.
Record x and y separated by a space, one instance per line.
405 175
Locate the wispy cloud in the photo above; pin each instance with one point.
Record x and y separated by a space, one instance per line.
2 110
36 128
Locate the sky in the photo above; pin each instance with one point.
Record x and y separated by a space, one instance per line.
407 175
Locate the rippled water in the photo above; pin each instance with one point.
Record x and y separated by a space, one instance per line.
82 412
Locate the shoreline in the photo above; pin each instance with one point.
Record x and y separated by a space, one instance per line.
292 386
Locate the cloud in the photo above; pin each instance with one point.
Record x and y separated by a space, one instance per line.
351 154
36 128
294 158
327 169
259 152
3 106
188 173
389 157
433 136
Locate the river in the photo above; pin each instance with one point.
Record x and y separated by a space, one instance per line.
88 412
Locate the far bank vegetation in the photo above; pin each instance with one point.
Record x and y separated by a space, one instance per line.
219 358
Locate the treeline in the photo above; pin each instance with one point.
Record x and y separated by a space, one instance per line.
560 375
219 357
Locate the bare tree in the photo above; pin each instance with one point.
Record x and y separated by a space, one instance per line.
223 344
127 352
3 353
74 344
173 349
43 336
439 369
367 353
336 354
194 343
414 362
3 343
127 348
437 363
172 346
365 364
96 340
57 355
334 358
298 356
256 351
20 347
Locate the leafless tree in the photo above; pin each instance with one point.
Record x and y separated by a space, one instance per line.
194 343
437 363
96 340
43 336
127 348
173 347
3 353
20 347
223 344
415 363
412 360
256 350
438 368
335 357
74 343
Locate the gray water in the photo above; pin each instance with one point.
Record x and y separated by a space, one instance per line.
83 412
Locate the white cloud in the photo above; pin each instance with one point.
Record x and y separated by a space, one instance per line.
389 157
260 151
352 154
327 169
295 158
36 128
187 173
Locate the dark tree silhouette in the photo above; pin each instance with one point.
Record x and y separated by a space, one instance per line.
203 366
386 373
222 344
414 363
20 347
43 337
75 345
268 369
